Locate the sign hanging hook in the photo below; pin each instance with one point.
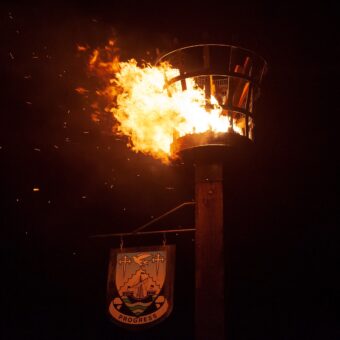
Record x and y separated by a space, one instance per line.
164 239
121 243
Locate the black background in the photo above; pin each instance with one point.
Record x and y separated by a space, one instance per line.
281 245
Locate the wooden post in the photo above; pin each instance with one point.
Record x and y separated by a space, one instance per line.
209 308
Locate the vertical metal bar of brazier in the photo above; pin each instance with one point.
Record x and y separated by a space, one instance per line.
209 252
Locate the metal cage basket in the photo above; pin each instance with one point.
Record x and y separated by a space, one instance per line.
231 74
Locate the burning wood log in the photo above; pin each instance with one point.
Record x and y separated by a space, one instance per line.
240 85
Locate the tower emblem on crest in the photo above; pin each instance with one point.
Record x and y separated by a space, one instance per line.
140 285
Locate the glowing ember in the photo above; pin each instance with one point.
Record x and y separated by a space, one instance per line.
81 48
147 111
81 90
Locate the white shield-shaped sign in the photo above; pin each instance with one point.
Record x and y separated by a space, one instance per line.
140 285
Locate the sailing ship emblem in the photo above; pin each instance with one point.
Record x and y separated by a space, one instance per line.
140 285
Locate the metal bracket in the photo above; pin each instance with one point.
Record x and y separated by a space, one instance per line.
138 231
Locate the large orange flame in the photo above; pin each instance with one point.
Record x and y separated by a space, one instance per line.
149 112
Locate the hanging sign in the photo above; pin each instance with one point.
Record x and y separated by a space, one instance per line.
140 285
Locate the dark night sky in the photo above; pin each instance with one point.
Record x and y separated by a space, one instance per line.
281 209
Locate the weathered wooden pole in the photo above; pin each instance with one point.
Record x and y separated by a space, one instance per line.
209 252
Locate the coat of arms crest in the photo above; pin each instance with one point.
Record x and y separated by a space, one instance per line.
140 285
